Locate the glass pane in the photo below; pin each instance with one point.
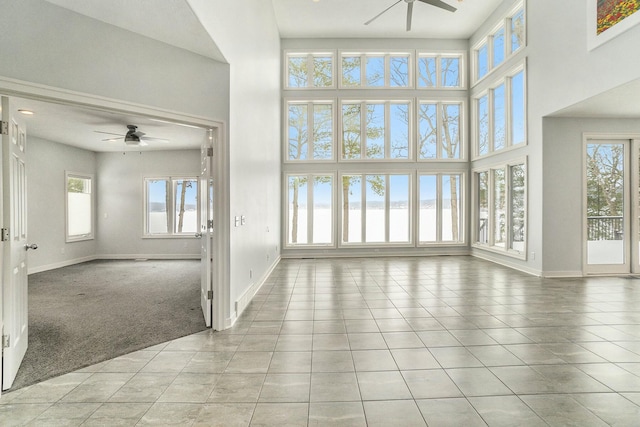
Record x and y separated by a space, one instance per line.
399 71
375 131
499 118
186 197
483 61
499 199
605 203
352 208
427 70
428 131
399 132
351 138
450 131
351 70
375 71
450 69
322 131
483 125
451 213
297 233
323 209
158 191
498 47
517 109
398 208
517 208
322 71
298 75
517 31
428 206
79 206
375 198
483 208
298 131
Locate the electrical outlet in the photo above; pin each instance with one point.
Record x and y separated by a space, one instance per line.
533 255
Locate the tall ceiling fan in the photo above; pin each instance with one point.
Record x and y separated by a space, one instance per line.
132 137
436 3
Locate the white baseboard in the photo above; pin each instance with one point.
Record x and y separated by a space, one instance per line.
75 261
506 263
148 256
561 274
243 301
60 264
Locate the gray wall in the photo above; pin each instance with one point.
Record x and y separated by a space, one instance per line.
48 162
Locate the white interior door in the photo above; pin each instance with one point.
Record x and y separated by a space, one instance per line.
206 227
14 278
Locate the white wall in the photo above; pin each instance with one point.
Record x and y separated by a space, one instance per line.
53 46
120 201
47 162
247 36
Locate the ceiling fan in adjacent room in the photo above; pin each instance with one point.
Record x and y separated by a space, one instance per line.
132 137
436 3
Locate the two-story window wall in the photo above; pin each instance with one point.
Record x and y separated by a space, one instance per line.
366 171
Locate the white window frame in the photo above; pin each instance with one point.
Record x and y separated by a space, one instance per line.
84 176
310 123
387 130
462 240
438 55
490 245
363 54
504 22
506 79
363 224
461 123
170 209
310 213
310 55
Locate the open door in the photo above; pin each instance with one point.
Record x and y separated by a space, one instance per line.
14 242
206 227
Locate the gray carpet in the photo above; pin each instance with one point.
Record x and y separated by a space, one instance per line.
94 311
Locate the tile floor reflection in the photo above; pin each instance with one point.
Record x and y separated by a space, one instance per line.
438 341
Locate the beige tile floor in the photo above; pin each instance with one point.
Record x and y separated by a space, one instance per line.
438 341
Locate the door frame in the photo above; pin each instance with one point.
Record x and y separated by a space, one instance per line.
631 231
23 89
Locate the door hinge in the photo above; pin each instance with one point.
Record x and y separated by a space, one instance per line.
209 294
210 224
5 128
209 151
6 341
5 234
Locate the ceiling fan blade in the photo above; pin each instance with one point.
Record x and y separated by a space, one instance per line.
440 4
409 15
149 138
378 15
109 133
138 133
113 139
142 144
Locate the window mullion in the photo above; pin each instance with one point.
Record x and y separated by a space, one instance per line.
387 207
310 181
363 71
387 130
491 118
310 132
439 204
310 71
363 208
439 125
508 207
363 130
491 211
508 122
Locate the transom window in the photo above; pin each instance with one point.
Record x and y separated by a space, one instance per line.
506 38
171 206
309 70
440 70
500 114
375 70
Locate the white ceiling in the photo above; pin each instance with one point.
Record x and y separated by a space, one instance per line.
346 18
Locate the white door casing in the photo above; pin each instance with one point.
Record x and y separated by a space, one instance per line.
206 226
14 280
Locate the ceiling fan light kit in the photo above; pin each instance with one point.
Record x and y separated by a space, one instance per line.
437 3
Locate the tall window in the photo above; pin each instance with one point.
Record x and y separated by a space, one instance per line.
439 134
310 210
309 70
507 37
375 130
500 114
79 206
310 130
376 208
441 219
500 209
171 206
